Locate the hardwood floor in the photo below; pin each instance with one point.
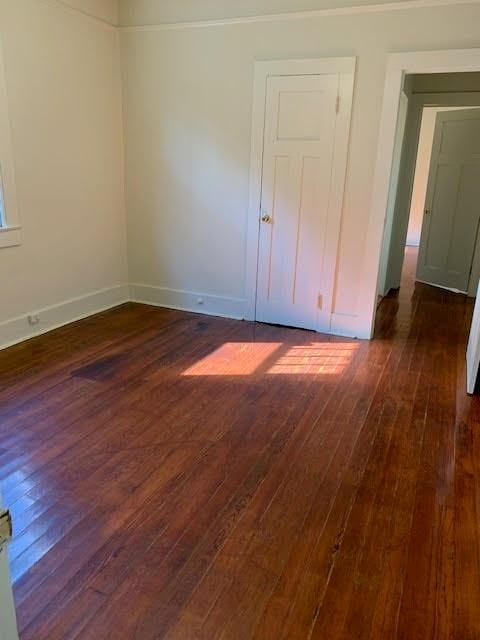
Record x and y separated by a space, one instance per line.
180 476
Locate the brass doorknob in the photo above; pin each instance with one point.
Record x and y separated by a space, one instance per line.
266 218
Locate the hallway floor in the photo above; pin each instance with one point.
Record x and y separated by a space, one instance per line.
180 476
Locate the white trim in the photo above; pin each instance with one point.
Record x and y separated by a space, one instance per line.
10 237
18 329
337 193
302 66
111 26
401 5
8 620
398 64
189 301
440 286
384 282
345 68
255 187
473 347
10 226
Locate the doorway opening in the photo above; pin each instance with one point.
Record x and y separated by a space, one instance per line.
458 63
433 213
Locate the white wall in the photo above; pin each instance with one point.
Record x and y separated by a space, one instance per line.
187 97
422 168
187 110
64 96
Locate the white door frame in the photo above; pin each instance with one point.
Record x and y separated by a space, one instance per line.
395 182
345 67
8 627
473 347
10 229
398 64
8 623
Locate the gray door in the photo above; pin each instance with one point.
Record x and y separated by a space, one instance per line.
452 207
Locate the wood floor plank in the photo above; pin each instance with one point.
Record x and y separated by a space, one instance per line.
189 477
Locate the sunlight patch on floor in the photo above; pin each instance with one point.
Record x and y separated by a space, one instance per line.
315 359
234 359
247 358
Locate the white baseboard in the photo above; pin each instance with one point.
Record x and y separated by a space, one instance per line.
189 301
18 329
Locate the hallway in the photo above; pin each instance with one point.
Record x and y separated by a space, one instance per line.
177 476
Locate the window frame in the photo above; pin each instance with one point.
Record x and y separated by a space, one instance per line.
10 228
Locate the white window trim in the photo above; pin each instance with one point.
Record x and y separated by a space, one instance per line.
10 228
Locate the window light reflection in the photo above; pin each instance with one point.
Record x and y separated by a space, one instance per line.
275 358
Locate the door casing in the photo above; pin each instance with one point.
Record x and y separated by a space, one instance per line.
8 623
398 65
473 347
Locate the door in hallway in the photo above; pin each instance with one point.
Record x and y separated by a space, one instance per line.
452 211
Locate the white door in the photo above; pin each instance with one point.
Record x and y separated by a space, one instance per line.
8 624
452 207
299 141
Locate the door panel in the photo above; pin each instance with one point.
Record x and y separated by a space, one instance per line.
467 216
452 211
297 167
441 218
461 136
298 115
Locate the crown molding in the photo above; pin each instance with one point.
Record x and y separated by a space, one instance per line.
84 14
401 5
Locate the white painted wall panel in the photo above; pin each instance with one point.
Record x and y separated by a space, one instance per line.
64 93
188 96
